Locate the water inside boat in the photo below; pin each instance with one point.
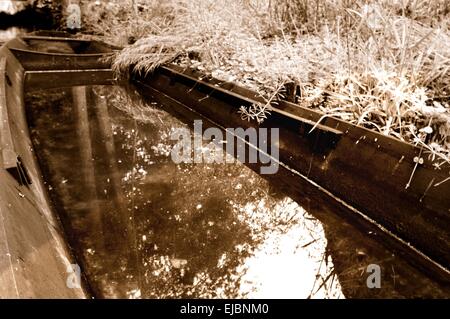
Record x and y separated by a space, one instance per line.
142 226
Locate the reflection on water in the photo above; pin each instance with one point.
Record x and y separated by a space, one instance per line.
143 226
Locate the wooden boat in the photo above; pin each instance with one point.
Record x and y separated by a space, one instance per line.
36 52
35 260
48 60
365 172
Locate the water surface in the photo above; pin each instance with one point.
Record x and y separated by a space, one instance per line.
143 226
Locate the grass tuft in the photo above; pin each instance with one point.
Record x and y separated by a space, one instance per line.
376 63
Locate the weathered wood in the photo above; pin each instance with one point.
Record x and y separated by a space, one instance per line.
32 243
8 157
49 79
59 53
32 60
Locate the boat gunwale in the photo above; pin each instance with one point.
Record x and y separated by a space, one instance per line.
329 122
63 55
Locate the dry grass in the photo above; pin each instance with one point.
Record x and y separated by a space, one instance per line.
377 63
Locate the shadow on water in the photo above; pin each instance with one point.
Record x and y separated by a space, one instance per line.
143 226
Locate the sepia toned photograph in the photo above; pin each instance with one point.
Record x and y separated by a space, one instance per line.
224 154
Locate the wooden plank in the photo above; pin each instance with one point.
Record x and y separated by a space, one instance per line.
40 80
53 39
78 45
34 61
8 158
8 284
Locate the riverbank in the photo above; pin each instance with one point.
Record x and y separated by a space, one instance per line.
380 65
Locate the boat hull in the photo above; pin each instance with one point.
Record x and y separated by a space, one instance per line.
35 260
